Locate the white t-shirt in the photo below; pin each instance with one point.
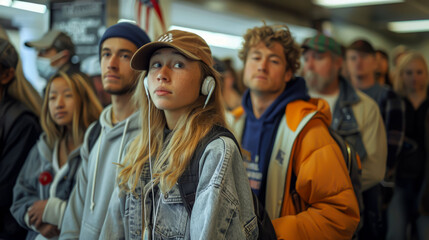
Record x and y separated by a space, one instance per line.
331 98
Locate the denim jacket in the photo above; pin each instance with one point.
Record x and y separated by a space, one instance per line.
223 207
344 120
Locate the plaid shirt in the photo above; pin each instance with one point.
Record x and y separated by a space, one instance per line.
392 110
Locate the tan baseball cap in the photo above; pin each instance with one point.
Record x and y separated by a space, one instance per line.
189 44
46 41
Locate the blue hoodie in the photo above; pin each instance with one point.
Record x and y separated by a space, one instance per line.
259 134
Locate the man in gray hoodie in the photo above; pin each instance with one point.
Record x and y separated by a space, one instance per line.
85 214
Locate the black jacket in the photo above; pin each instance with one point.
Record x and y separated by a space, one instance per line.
19 131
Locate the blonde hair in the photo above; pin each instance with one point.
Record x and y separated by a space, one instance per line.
268 35
23 91
19 88
170 160
88 109
398 83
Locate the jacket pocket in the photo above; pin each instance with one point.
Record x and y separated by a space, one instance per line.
171 217
250 228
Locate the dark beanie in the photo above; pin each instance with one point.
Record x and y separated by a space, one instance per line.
129 31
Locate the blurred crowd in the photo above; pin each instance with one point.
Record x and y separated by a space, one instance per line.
376 102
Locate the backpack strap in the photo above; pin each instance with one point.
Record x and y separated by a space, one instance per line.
93 135
188 182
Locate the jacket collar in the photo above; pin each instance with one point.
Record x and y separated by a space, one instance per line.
348 95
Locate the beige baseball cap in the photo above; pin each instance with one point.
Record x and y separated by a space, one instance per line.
189 44
45 42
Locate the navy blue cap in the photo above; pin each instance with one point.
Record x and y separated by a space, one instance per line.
126 30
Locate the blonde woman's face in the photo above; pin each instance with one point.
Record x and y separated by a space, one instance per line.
61 102
415 76
174 81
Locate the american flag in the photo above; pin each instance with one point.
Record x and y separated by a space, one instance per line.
145 10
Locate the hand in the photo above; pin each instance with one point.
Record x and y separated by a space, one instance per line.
35 212
48 230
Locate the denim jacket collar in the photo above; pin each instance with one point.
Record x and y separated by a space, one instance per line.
348 95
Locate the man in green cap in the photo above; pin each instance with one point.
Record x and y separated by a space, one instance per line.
355 116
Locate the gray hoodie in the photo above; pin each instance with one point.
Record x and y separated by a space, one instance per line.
89 201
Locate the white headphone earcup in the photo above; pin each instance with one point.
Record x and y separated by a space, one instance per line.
146 86
208 85
207 88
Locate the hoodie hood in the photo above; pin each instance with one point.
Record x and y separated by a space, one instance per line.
42 146
48 153
117 130
259 134
296 89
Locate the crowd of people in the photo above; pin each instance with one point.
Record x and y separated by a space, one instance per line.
330 141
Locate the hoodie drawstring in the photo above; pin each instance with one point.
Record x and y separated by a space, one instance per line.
98 155
122 141
95 170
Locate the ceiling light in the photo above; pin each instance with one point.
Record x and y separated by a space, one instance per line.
409 26
5 3
221 40
352 3
28 6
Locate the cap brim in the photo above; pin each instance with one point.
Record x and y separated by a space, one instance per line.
141 58
45 42
37 45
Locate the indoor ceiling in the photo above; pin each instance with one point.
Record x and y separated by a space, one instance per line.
305 12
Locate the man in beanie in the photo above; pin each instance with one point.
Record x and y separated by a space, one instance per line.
361 65
54 53
294 165
355 116
105 140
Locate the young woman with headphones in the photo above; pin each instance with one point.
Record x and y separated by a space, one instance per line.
181 107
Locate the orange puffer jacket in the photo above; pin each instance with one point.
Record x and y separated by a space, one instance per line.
330 208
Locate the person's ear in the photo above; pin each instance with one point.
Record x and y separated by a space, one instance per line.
7 76
288 75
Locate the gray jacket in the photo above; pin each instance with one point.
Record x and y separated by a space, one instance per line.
29 189
223 207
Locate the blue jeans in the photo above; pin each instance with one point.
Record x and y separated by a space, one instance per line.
403 212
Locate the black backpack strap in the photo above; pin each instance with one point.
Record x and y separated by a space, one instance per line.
344 147
93 135
188 182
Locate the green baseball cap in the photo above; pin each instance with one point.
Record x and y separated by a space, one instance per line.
322 43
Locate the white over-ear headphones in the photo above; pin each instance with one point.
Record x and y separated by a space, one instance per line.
208 87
